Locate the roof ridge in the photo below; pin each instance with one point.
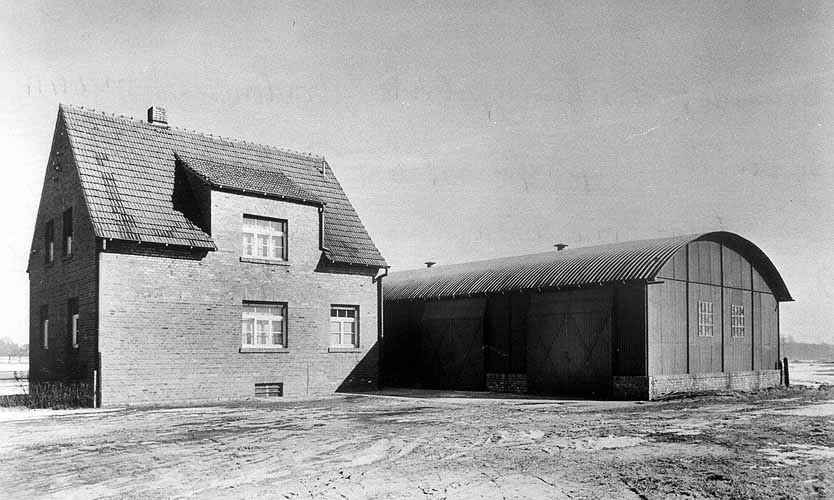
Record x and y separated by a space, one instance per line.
292 152
567 251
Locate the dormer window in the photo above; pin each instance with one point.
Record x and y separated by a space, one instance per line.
264 238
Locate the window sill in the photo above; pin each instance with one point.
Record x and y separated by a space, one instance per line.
344 349
255 260
245 349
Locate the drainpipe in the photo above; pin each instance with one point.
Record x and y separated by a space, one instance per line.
380 321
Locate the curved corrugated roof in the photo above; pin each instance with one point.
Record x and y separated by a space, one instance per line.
617 262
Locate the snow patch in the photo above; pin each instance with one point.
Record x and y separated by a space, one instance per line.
795 454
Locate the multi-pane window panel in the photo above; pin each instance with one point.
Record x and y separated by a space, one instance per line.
264 238
705 319
264 325
737 320
344 326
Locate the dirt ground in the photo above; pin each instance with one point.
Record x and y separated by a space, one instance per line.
771 444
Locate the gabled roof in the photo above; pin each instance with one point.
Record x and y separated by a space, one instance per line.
613 263
245 179
127 171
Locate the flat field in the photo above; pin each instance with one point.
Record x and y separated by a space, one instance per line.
777 443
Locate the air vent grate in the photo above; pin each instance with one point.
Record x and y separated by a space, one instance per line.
272 390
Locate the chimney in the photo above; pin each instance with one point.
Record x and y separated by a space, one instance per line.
430 263
560 246
158 116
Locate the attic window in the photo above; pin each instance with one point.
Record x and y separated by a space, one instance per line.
49 242
68 232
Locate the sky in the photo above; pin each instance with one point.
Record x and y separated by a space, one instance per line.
468 130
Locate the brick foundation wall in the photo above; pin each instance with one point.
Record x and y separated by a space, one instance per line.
635 387
507 382
170 324
67 277
664 385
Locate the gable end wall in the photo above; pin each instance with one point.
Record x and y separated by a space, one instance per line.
73 276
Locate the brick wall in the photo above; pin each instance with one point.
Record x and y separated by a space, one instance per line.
507 382
170 325
663 385
72 276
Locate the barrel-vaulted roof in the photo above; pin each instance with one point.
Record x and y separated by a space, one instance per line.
127 169
569 268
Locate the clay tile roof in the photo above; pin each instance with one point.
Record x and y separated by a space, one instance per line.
127 171
248 179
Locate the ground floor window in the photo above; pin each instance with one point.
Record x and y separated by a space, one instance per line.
264 324
344 326
737 320
705 319
72 320
44 326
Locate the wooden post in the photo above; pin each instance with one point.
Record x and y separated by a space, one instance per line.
787 372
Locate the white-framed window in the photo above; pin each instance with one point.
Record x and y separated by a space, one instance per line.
705 318
49 242
68 231
264 238
344 326
72 323
737 320
44 327
264 324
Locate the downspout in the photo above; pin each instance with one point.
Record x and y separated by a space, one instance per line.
380 321
321 228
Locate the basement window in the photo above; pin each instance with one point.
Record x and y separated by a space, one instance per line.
705 319
344 326
264 324
737 321
264 238
272 390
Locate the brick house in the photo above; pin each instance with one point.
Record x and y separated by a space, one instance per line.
169 266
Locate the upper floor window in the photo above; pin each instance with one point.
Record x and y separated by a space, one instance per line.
49 242
264 324
737 321
44 317
705 319
344 326
72 320
67 231
264 238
